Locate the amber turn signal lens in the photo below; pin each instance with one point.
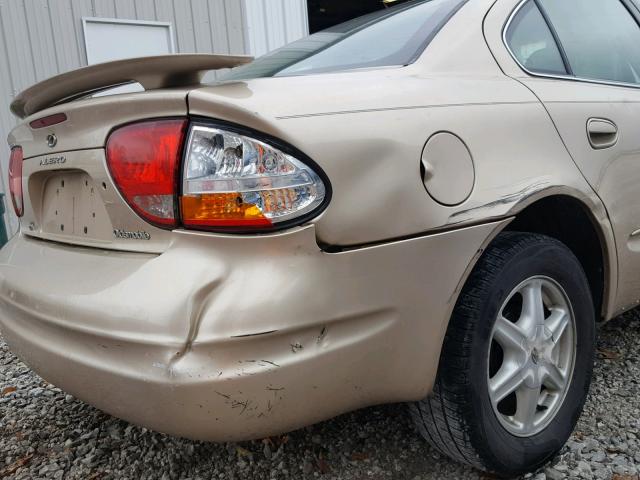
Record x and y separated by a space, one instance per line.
222 210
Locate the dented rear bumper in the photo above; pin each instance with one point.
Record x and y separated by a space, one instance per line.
230 338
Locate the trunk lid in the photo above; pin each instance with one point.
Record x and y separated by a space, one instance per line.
69 195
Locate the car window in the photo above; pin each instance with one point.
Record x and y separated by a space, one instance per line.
600 37
531 42
395 36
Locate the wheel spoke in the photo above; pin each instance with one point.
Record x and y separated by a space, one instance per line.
532 304
554 378
557 323
506 381
509 335
527 405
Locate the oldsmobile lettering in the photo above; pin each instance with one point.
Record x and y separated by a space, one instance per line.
139 235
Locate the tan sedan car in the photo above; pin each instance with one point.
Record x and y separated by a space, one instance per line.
433 204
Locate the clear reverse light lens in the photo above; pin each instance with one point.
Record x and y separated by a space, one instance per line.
231 180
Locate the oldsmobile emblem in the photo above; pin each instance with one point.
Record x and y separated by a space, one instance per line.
52 140
126 235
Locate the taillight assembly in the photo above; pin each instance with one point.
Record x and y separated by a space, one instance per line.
15 180
229 181
144 160
233 181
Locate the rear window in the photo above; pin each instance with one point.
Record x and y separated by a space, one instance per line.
392 37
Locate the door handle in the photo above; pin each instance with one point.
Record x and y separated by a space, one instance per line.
602 133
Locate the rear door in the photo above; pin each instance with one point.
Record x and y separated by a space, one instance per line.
582 60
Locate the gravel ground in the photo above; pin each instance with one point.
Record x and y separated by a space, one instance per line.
47 434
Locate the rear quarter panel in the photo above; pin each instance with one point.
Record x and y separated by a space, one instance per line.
372 150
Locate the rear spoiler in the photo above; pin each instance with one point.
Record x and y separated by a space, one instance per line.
151 72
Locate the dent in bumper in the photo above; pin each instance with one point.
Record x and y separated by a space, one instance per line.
228 338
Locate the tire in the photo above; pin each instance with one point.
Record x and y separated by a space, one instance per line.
459 418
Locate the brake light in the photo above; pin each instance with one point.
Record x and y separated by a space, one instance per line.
48 121
144 160
15 180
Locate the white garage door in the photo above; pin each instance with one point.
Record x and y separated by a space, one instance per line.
114 39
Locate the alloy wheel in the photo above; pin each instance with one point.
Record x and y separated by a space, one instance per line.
531 356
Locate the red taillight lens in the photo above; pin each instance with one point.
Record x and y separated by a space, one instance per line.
144 159
15 180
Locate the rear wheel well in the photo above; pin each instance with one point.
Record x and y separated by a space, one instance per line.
568 220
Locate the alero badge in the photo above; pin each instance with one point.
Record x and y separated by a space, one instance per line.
53 161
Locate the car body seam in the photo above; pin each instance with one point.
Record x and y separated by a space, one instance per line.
391 109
